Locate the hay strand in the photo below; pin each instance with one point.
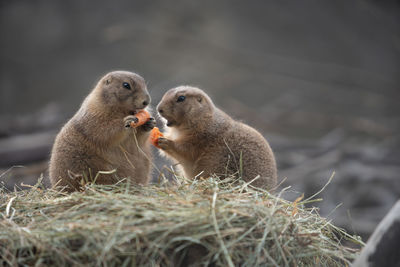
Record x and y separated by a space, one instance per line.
203 222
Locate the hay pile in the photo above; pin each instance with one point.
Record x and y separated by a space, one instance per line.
206 221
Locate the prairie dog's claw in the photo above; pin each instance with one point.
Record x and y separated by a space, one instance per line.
149 125
164 143
129 119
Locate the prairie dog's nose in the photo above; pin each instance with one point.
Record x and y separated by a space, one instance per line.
146 101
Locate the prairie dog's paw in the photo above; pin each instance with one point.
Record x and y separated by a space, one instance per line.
129 119
164 143
149 125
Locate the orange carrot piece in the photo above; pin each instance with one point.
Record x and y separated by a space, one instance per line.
142 117
154 135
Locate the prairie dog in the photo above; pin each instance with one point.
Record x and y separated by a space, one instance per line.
204 139
97 138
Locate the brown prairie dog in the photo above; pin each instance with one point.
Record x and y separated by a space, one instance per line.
204 139
97 138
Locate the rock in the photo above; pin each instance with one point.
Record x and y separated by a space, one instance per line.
382 248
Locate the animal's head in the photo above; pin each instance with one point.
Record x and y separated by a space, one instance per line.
123 90
184 106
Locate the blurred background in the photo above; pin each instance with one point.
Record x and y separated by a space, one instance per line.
319 79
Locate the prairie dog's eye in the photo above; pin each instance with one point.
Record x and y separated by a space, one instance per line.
126 85
181 98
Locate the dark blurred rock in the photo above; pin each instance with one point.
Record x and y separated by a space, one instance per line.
382 248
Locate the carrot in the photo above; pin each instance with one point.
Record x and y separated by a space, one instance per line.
154 135
142 117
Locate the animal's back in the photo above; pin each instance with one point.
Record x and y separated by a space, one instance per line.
237 149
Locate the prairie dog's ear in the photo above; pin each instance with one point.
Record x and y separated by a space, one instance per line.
108 79
200 98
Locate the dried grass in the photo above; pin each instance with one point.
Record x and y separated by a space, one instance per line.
207 222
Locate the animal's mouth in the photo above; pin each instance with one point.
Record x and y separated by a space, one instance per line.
168 119
170 122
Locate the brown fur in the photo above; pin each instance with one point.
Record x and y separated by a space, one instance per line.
202 138
96 139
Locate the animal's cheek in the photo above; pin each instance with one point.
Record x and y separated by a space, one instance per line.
181 113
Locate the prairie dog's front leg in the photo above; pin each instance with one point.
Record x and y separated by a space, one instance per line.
173 149
148 125
128 120
142 131
167 145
